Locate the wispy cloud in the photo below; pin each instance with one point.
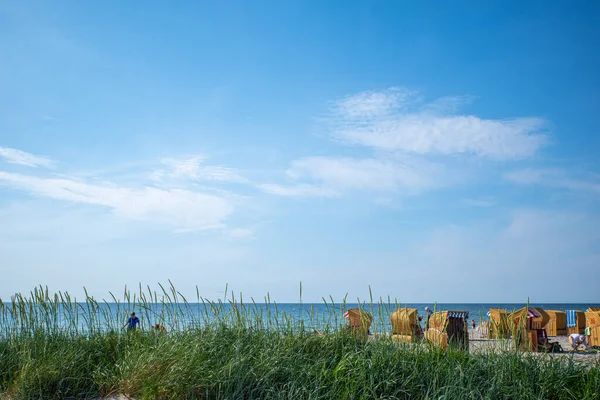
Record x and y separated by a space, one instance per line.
369 105
553 177
396 120
334 176
192 168
298 190
413 144
183 209
371 174
19 157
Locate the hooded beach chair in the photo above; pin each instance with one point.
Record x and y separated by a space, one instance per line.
405 325
359 321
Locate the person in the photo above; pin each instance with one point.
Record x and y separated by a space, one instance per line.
576 339
132 322
473 324
419 330
428 311
159 328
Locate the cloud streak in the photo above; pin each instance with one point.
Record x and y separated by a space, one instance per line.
413 145
19 157
298 190
177 208
193 169
369 174
333 176
406 135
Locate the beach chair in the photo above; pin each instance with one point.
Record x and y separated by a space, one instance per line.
359 321
405 325
557 325
448 328
594 337
498 326
592 327
575 321
529 330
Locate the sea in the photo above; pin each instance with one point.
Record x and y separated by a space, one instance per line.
82 317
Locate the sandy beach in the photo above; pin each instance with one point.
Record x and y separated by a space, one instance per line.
479 343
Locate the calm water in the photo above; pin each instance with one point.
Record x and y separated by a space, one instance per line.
80 317
477 311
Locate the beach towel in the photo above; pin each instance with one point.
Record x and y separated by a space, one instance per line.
571 318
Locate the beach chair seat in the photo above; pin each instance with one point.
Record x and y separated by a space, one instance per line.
544 345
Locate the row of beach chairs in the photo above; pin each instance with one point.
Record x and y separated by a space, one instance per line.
533 325
540 324
442 328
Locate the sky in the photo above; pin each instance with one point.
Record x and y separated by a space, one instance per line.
425 151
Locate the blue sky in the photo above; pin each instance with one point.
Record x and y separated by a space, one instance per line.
434 151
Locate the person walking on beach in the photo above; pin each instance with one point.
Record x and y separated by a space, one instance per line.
132 322
473 324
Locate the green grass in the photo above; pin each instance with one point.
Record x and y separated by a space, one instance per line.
239 356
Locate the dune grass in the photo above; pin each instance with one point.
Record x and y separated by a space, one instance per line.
58 348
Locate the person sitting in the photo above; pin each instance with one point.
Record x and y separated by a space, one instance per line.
159 328
576 340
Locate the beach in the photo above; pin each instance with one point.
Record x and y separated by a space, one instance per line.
480 344
65 349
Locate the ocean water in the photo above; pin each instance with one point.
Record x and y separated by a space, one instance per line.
381 312
86 317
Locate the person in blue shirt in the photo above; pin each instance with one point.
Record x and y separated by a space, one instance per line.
132 322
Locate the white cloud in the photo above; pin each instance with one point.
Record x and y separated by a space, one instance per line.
298 190
405 136
20 157
369 174
390 121
334 176
193 168
372 104
178 208
552 177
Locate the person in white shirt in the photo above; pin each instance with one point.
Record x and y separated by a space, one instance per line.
575 339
